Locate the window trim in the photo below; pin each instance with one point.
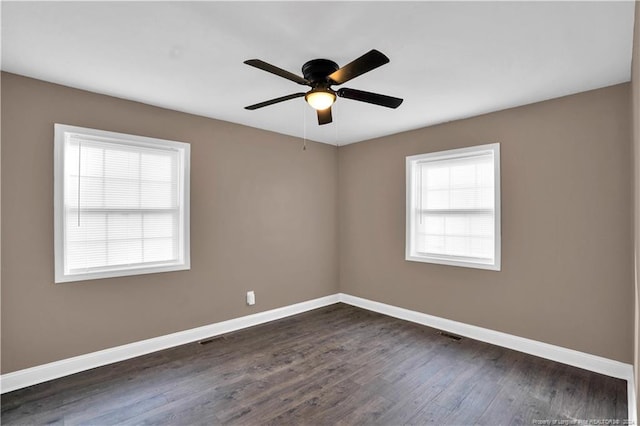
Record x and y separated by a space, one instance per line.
411 161
184 149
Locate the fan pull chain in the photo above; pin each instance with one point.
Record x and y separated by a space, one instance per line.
336 125
304 131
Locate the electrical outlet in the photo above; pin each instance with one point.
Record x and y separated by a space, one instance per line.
251 298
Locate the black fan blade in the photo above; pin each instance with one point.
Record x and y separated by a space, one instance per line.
275 101
324 116
372 98
277 71
365 63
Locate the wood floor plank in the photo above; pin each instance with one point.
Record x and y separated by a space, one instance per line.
336 365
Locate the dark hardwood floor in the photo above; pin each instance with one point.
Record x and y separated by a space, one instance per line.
335 365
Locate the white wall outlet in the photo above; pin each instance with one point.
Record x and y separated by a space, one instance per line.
251 298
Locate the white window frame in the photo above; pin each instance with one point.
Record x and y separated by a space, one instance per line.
61 133
411 162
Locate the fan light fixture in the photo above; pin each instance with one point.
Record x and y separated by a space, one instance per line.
320 99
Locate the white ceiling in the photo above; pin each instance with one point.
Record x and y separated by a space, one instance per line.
449 60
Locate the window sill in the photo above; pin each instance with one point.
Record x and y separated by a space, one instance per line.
449 262
122 272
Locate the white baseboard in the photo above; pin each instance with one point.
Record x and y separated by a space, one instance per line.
42 373
572 357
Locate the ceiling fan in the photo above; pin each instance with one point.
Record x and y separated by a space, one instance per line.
320 75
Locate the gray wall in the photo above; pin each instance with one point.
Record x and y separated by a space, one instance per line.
635 113
567 243
266 216
263 218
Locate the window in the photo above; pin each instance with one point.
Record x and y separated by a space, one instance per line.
453 207
121 204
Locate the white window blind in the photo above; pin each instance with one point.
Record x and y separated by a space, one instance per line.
453 207
123 209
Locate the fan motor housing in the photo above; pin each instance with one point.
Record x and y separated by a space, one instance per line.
317 70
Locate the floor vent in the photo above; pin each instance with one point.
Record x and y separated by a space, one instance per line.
211 340
450 336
